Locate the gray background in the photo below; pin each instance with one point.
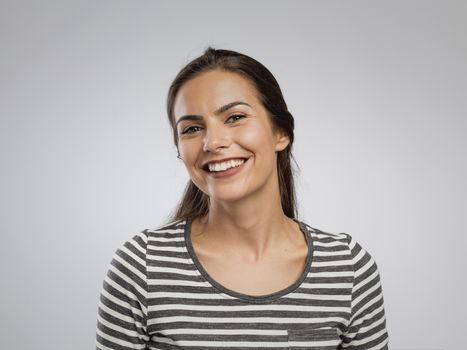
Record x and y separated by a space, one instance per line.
377 89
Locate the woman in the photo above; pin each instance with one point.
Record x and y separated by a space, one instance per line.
233 267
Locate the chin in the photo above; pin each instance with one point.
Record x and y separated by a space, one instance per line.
227 196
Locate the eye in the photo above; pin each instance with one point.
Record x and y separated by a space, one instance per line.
236 116
193 129
189 130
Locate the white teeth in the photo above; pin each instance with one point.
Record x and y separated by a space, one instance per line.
225 165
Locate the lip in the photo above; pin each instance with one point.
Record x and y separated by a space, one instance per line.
228 172
205 165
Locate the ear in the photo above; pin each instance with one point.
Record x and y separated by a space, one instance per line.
282 140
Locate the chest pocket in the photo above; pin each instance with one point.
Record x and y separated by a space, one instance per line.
316 339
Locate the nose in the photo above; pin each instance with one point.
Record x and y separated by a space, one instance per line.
215 138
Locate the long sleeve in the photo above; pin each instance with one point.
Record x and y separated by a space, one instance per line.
367 324
122 308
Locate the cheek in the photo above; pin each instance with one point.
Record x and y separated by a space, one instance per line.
190 152
249 136
188 149
256 139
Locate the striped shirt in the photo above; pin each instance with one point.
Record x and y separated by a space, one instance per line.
156 295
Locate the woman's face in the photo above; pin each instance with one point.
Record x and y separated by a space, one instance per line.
218 116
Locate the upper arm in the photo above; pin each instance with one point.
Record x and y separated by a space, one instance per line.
122 309
367 324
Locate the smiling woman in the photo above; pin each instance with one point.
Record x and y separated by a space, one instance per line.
239 129
234 268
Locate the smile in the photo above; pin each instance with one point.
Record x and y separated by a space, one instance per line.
227 168
225 165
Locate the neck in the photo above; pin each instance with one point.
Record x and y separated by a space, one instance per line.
251 226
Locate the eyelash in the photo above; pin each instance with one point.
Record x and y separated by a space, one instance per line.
191 127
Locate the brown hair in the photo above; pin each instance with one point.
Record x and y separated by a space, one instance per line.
194 202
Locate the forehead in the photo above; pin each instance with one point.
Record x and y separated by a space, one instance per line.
211 90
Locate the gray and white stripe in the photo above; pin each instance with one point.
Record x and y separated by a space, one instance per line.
155 296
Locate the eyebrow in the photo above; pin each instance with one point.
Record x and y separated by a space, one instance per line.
218 111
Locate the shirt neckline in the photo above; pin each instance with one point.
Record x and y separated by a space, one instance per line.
267 298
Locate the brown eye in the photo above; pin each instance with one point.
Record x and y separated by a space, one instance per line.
236 116
189 130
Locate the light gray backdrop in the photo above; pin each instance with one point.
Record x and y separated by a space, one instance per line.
378 91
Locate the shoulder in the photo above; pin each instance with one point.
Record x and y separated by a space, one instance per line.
135 249
167 234
342 242
324 236
129 263
320 238
167 229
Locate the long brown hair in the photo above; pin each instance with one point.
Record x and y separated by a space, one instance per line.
194 202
